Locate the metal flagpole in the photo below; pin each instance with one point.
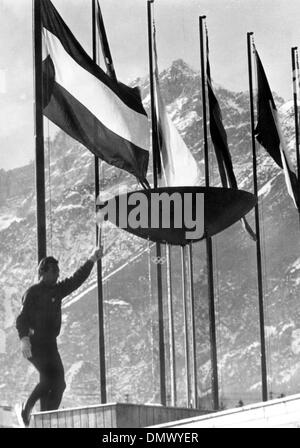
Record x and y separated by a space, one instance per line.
39 134
257 231
295 74
209 252
186 327
157 245
101 334
193 323
171 327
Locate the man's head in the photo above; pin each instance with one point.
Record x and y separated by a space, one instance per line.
48 270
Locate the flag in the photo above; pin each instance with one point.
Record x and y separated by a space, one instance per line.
104 44
106 116
268 131
177 165
218 133
219 140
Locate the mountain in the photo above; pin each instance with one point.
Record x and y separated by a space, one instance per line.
129 271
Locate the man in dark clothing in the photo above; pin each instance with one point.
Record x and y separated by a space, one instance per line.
38 326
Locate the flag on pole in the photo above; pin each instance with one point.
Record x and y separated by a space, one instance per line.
218 133
178 166
297 73
106 116
268 131
219 140
104 44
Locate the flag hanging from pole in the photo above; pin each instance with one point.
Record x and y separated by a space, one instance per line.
268 132
106 116
219 140
104 44
218 133
177 166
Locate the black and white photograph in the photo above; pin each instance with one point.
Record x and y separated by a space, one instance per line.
149 217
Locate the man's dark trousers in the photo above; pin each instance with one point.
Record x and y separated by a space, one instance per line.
47 361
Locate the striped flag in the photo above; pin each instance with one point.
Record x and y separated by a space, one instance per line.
219 139
178 166
268 131
106 116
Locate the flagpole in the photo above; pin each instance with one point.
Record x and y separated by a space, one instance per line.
39 135
157 245
295 75
171 328
186 328
209 252
193 324
101 333
257 231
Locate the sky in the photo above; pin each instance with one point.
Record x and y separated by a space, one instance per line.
275 24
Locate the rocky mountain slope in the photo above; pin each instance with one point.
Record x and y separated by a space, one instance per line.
129 271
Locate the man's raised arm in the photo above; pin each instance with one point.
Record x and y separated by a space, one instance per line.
70 284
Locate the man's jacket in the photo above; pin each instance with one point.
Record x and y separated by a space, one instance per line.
40 316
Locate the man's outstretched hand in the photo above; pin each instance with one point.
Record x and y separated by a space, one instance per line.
26 347
97 254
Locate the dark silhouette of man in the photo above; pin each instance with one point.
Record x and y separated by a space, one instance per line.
38 326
